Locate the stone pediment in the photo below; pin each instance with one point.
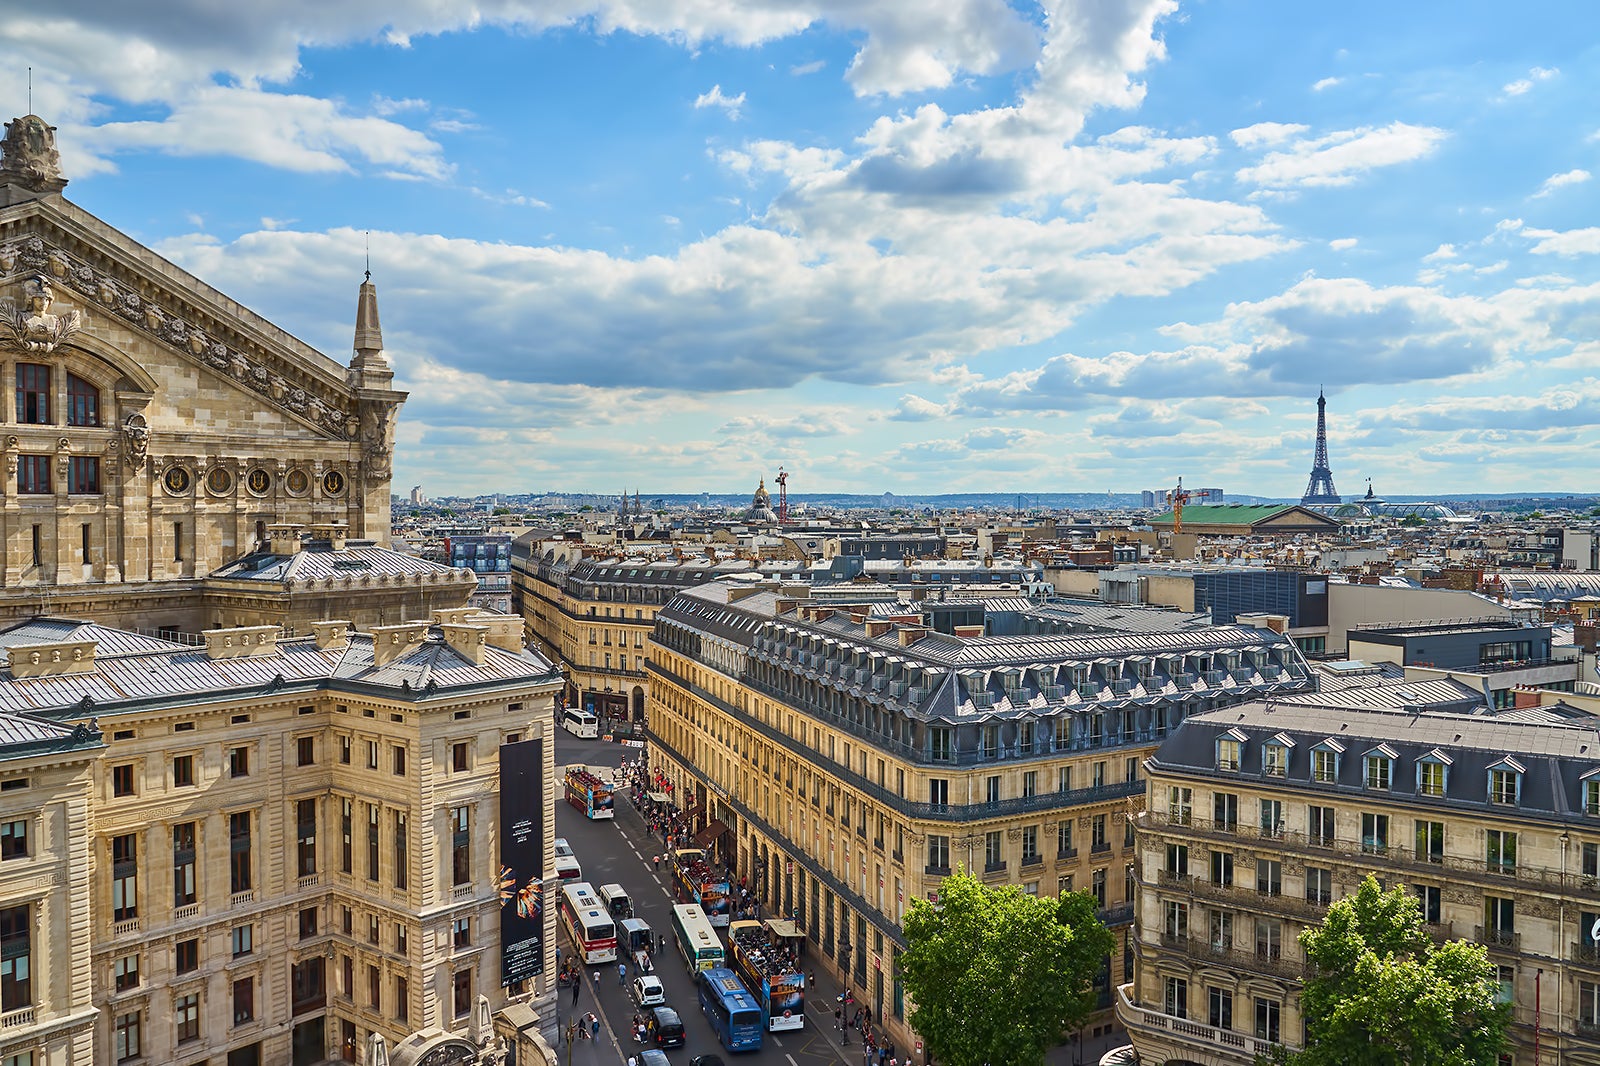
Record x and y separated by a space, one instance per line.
192 319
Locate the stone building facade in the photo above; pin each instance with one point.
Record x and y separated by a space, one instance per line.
151 428
1259 816
262 850
845 758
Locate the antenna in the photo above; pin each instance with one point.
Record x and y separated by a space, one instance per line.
369 255
30 90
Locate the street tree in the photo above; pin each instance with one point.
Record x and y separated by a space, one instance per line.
1384 994
997 976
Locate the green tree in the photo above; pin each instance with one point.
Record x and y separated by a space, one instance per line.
1413 520
1384 994
998 976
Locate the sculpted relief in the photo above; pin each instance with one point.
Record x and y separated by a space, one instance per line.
35 328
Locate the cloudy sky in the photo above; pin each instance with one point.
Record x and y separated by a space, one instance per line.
959 245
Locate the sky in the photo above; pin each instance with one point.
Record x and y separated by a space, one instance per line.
950 246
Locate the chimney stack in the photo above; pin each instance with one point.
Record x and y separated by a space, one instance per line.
466 640
284 538
242 642
391 642
332 635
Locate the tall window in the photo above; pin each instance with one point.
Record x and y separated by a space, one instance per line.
400 849
461 845
1591 798
83 402
1220 1004
1228 755
1432 902
461 993
1177 997
938 852
991 851
1589 1003
346 834
124 877
1269 877
402 1000
1274 760
1319 827
16 958
1501 851
186 1012
1222 868
1271 818
1225 811
14 839
183 864
244 1000
239 866
1064 848
1380 771
33 475
1319 884
83 475
125 1039
1267 1020
1503 786
306 837
1324 767
1178 860
1430 778
1030 843
33 394
1430 841
1177 919
372 842
1374 833
1180 805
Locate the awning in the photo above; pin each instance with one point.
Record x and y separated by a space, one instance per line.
784 929
659 797
714 829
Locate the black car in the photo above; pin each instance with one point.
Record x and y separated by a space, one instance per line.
706 1060
664 1028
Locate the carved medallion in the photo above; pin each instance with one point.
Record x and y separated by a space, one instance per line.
258 481
176 480
333 483
219 481
297 482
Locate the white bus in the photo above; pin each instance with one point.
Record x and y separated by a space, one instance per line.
593 933
696 938
580 723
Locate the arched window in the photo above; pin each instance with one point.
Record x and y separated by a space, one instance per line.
33 394
83 402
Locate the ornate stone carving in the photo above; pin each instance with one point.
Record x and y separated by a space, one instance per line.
136 439
28 155
37 329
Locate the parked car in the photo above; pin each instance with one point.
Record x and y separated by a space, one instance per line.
567 868
651 1057
647 991
706 1060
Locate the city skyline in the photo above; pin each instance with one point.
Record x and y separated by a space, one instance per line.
1049 250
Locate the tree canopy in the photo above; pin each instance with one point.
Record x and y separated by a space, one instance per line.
998 976
1384 994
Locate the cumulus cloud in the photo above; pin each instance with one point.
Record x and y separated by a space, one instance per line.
1342 244
1341 157
715 97
1325 83
1560 181
1572 242
1266 133
1523 85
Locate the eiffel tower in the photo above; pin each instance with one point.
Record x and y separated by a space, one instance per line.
1320 490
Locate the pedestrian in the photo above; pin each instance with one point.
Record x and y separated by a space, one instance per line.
575 987
661 941
811 979
622 974
597 979
594 1027
633 1060
656 859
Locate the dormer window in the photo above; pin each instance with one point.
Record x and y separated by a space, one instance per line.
1275 756
1379 763
1505 782
1591 794
1433 771
1325 762
1230 747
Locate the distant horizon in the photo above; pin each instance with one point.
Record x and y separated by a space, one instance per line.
734 498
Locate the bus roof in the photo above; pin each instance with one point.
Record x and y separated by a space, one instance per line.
609 891
727 982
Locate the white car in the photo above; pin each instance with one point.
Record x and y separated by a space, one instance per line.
647 991
567 868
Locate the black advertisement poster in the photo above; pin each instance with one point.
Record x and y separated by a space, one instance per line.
522 899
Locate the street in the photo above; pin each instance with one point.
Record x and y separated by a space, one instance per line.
619 851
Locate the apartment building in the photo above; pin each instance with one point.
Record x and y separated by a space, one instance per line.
845 758
260 850
1258 816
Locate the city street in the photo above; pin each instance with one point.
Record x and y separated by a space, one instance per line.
619 852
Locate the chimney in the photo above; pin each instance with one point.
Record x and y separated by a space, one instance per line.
909 635
58 657
333 635
452 615
391 642
334 532
284 538
877 627
969 632
466 641
741 592
242 642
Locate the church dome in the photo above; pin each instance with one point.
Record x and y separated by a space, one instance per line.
760 509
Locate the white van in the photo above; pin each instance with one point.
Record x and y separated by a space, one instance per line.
567 868
579 722
614 898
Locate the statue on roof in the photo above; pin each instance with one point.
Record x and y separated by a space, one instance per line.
36 329
28 155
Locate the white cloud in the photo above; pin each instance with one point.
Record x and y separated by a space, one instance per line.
1266 133
716 98
1325 83
1568 243
802 69
1558 181
1524 85
1441 254
1341 157
1343 243
386 106
276 223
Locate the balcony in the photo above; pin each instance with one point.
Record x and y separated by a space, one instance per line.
126 927
15 1018
1586 953
1121 914
1100 847
1497 939
242 899
1269 962
1161 1036
184 913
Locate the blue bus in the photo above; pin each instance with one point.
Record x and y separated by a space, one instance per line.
733 1012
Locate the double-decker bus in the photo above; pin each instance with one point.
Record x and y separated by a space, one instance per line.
589 794
700 881
764 962
731 1009
695 937
593 933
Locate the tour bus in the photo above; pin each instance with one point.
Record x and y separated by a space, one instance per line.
593 933
696 939
579 722
589 794
615 900
761 960
701 881
732 1011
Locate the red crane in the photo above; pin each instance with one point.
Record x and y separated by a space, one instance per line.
1177 498
782 481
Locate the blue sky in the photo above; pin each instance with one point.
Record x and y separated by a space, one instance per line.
965 245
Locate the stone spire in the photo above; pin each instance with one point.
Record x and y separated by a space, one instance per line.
30 166
369 368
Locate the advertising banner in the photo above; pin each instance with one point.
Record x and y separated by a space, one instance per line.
521 861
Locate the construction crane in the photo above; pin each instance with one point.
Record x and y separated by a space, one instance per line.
1176 498
782 481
